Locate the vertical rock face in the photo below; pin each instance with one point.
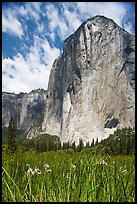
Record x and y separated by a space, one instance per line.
91 90
27 110
9 107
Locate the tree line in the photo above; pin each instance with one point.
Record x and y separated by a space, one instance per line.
121 142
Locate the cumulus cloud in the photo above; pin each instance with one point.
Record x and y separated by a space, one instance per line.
72 18
50 53
30 10
72 14
11 25
25 74
128 27
56 22
14 18
109 9
62 24
114 10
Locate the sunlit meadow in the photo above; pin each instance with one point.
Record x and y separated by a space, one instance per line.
65 176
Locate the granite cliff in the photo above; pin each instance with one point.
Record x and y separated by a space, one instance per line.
91 90
26 108
91 85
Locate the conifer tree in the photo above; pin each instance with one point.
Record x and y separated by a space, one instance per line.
74 146
64 146
80 146
96 141
67 145
11 135
87 144
59 146
92 144
50 145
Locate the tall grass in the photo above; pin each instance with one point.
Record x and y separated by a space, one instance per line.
75 177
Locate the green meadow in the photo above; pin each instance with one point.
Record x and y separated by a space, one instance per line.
73 177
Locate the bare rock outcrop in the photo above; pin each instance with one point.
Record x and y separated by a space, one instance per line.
26 109
91 90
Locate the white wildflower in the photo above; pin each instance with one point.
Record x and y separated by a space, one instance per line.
47 169
46 166
37 170
68 175
103 162
31 171
73 166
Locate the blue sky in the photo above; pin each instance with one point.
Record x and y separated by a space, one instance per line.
33 35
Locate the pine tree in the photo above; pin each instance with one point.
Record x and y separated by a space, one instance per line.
11 135
96 141
74 146
59 146
80 146
87 144
92 144
67 145
64 146
50 146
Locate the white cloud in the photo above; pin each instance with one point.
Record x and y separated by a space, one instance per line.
25 77
12 25
72 19
36 5
40 27
28 10
32 10
29 73
10 17
32 71
72 14
63 23
56 22
113 10
128 27
50 54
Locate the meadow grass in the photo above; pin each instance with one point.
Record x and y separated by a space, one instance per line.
75 177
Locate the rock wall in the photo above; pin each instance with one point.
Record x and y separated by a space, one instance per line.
91 90
27 110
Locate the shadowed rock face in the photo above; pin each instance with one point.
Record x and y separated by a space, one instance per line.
27 110
91 90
